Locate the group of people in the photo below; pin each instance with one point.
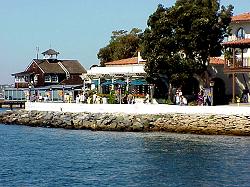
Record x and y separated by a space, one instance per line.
68 97
80 98
204 98
94 99
180 99
38 98
245 98
89 98
128 99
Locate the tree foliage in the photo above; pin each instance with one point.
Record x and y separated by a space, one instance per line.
179 40
123 44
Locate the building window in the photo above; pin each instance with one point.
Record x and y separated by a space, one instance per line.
47 78
20 79
26 79
54 78
36 78
241 33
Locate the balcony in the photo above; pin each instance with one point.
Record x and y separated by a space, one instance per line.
240 66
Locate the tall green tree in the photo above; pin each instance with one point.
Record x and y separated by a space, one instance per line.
179 40
123 44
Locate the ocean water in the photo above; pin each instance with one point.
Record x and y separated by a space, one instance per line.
56 157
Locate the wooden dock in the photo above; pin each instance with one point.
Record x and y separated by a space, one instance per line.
12 103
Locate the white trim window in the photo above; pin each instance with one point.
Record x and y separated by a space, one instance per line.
47 78
54 78
36 78
20 79
241 34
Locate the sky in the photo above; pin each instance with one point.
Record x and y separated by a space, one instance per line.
76 28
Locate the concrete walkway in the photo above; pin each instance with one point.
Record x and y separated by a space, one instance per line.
139 108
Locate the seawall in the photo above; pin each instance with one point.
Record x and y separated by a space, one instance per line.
220 124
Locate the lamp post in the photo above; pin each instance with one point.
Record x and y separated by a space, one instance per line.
73 94
120 93
29 92
63 93
151 86
84 89
51 94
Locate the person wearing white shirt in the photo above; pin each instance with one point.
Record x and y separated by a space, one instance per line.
82 98
77 99
183 101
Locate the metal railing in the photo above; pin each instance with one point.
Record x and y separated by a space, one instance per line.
238 63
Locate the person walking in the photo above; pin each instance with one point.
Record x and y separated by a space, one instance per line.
77 99
94 98
146 100
177 98
200 98
82 98
183 101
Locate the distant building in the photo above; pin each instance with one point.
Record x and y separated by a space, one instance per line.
50 71
226 77
2 88
48 77
237 55
129 75
125 75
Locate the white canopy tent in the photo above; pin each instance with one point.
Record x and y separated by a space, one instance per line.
113 73
130 70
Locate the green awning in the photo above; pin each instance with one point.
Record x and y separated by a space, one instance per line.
138 82
120 82
107 83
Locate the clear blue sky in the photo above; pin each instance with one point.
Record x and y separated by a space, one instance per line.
77 28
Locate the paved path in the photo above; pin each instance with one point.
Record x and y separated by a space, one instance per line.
140 108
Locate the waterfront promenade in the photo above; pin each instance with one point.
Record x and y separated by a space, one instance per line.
139 108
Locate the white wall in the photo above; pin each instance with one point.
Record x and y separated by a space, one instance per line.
217 70
235 27
110 70
136 108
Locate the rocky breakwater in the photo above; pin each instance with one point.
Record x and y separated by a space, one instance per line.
179 123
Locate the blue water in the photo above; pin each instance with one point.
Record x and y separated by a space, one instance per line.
55 157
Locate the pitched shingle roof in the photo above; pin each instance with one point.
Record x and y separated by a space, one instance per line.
73 66
241 17
126 61
50 52
52 66
23 73
48 67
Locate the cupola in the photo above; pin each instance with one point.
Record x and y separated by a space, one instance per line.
50 54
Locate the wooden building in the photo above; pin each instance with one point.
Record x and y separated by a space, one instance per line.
50 71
